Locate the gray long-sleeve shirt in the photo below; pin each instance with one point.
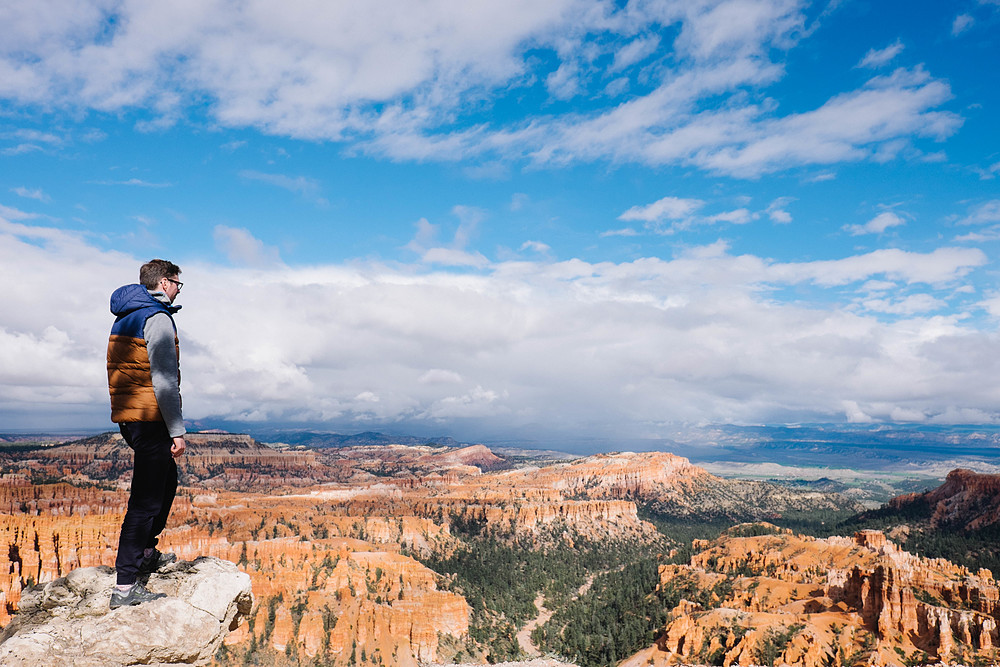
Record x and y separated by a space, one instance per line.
164 368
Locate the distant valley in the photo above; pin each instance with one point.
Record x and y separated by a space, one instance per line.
373 549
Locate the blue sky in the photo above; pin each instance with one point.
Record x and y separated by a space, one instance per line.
509 219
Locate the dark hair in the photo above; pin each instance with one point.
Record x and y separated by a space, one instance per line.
155 270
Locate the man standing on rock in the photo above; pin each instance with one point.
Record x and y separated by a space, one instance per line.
144 381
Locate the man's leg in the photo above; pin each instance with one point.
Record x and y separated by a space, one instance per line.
167 500
152 470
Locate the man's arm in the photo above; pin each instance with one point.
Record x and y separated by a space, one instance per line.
163 365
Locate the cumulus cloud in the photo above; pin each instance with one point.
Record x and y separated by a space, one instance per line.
243 249
455 254
567 347
877 225
740 216
536 246
776 210
668 208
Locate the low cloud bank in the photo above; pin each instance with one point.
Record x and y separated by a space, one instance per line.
564 347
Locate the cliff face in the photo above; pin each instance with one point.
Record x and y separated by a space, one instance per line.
323 591
226 461
967 499
812 602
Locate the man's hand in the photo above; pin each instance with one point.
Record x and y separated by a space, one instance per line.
178 447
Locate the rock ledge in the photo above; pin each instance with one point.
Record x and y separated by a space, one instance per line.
68 622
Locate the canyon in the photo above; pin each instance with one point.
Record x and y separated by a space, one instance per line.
335 541
774 596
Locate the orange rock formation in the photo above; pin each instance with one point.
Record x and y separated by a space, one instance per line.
324 534
970 498
815 602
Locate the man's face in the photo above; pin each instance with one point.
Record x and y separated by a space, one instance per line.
171 287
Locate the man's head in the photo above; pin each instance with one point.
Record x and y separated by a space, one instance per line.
159 275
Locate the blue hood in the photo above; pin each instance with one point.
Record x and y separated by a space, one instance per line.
130 298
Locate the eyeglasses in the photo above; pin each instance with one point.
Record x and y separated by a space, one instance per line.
176 282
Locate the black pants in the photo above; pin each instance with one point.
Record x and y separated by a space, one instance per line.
154 483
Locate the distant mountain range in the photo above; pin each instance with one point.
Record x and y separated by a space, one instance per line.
322 439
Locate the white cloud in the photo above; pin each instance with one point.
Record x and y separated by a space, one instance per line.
536 246
469 219
849 127
878 58
454 257
990 172
984 213
991 304
736 28
301 69
21 149
776 210
682 214
668 208
409 82
308 188
16 214
564 83
822 177
455 254
909 305
625 231
518 201
939 267
961 23
986 235
243 249
440 376
635 51
740 216
137 182
877 225
566 347
31 193
854 414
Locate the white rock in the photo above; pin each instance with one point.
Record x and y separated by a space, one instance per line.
68 621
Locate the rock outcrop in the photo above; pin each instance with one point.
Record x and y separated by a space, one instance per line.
968 499
767 595
67 621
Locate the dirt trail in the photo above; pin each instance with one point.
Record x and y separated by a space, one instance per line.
544 614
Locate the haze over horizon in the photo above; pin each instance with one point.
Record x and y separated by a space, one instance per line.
571 218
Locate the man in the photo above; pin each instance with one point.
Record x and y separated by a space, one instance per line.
144 381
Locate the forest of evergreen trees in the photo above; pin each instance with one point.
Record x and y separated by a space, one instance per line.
501 577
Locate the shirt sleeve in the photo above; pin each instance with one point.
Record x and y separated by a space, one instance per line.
165 371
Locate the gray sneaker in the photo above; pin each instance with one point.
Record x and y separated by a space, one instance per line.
156 562
135 595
